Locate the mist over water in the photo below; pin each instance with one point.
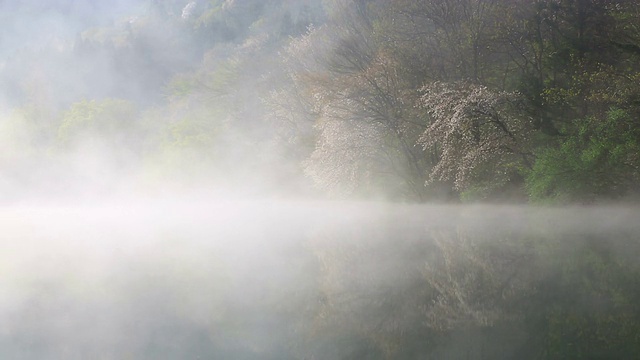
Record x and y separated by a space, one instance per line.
268 279
247 180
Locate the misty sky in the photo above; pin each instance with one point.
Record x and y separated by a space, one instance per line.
34 22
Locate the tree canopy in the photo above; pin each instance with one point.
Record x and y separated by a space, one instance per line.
404 100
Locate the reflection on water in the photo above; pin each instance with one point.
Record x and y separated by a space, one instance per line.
300 280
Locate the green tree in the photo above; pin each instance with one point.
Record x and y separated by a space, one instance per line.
600 159
110 121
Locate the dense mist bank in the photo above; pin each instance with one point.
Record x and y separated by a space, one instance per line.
293 280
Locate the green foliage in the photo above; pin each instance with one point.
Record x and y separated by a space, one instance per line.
598 159
211 15
223 77
110 120
196 131
181 86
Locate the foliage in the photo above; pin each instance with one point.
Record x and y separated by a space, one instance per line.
109 120
401 99
462 63
598 159
350 82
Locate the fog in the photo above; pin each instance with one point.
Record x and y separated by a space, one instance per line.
252 279
169 189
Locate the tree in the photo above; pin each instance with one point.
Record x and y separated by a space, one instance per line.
481 135
599 160
349 77
110 121
454 36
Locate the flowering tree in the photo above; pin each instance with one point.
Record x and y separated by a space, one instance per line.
360 105
346 155
478 133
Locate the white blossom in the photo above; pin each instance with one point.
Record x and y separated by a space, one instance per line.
472 126
187 11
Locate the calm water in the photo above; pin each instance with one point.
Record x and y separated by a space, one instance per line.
302 280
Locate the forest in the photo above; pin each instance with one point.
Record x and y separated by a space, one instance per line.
411 101
320 179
